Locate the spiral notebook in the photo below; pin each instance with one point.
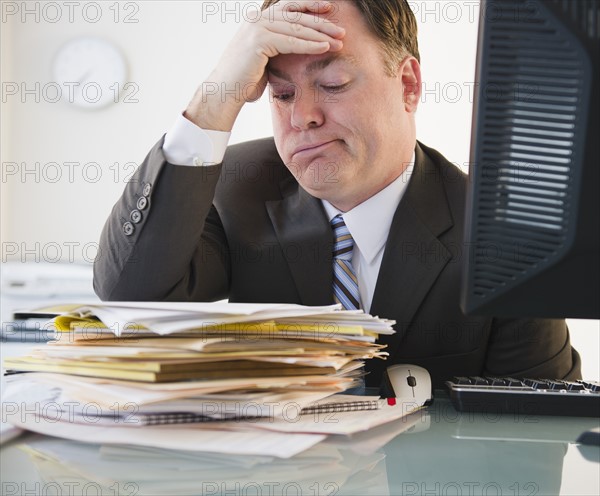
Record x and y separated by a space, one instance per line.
343 403
333 404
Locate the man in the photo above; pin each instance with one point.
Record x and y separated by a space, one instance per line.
342 205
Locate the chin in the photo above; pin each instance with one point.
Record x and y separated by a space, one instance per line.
318 173
320 191
329 192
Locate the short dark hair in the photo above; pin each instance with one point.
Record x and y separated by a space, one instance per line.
392 22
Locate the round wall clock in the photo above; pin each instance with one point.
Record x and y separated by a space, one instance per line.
90 71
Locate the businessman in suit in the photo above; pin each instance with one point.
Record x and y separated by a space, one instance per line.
342 205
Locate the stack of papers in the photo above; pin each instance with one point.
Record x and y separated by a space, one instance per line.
244 369
172 342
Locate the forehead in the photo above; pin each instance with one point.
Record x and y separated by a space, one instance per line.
288 65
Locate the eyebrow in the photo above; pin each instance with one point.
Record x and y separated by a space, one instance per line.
315 65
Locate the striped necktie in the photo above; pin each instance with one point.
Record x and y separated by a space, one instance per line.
345 283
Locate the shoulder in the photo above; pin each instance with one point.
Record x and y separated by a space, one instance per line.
450 173
452 178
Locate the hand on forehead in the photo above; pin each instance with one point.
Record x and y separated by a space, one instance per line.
320 11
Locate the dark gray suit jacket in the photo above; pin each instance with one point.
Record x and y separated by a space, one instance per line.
246 231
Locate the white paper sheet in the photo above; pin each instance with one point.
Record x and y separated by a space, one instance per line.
191 437
342 423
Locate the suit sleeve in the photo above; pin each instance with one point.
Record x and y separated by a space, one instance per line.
164 239
536 348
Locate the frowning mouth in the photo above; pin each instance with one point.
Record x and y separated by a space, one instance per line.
311 148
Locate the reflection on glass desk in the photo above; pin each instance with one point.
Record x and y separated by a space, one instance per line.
435 452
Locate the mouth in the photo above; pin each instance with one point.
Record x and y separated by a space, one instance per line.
311 148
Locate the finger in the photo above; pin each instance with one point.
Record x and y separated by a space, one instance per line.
318 7
303 33
305 11
283 44
304 23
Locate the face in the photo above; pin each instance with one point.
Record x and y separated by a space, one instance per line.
342 125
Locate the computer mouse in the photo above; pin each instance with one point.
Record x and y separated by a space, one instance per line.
410 383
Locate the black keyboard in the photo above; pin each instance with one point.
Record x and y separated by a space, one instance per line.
525 396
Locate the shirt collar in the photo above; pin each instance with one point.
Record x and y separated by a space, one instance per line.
369 223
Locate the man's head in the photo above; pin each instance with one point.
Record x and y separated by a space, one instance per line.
344 121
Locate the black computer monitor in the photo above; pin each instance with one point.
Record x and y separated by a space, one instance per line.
532 226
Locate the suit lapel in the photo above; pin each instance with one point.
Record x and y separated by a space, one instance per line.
414 256
306 240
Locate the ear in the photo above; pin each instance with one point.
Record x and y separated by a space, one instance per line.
410 73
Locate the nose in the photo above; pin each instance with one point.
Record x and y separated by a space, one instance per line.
306 112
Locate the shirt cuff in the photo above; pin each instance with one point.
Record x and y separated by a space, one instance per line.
188 144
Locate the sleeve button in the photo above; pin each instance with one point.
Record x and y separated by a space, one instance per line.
142 203
128 228
147 189
136 216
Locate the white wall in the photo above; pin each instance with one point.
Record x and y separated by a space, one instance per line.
170 49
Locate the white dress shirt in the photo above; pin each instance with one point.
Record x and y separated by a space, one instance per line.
369 224
187 144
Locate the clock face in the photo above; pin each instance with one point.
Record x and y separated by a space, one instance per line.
90 71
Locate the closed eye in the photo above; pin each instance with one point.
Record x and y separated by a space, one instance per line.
283 93
335 88
284 97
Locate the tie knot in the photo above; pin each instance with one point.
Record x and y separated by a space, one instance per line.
343 245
